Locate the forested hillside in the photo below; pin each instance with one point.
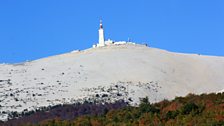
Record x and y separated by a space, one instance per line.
204 109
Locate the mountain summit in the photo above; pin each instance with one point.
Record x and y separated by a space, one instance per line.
106 74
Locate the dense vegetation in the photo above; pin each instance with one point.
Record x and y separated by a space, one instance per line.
192 110
63 112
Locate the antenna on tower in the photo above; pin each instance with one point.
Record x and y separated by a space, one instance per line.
101 22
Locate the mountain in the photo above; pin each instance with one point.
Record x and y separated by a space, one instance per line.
107 74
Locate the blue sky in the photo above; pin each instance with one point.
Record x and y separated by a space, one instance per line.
32 29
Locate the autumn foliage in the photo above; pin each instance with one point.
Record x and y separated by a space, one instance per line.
192 110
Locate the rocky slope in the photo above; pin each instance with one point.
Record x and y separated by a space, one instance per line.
109 73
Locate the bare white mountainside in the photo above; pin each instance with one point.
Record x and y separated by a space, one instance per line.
107 73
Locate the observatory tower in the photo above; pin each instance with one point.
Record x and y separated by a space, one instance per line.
109 42
101 35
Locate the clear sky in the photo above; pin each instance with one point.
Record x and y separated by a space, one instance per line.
32 29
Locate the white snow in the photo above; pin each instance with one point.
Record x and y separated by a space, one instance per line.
143 71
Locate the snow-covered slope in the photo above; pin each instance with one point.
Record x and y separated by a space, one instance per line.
108 73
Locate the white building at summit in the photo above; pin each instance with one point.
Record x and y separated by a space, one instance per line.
101 35
102 42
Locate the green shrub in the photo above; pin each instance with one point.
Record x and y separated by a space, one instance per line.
188 108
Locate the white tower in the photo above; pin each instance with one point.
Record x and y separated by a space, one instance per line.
101 35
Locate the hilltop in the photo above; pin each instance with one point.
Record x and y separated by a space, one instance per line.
107 74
